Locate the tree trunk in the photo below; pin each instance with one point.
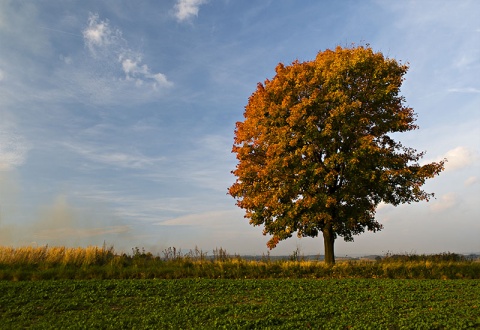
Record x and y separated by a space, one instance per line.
328 242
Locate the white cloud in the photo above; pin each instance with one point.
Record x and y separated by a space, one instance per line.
113 158
106 44
130 67
385 207
99 34
445 202
13 149
140 72
161 80
93 76
464 90
207 219
66 59
186 9
466 61
459 157
143 208
471 181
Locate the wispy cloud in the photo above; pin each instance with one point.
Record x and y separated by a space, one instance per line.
467 61
459 158
214 172
186 9
445 202
106 43
471 181
13 148
194 169
95 66
98 35
113 158
208 219
140 73
464 90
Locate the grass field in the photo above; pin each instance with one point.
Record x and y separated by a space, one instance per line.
246 304
96 288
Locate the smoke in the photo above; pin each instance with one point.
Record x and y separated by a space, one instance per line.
9 191
64 220
63 224
59 223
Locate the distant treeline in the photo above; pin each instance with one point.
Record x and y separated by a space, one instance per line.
54 263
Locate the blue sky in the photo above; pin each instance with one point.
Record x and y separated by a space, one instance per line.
117 117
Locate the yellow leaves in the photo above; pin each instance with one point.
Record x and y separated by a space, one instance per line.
331 201
272 243
353 161
432 169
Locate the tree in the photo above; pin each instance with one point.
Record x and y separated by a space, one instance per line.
315 151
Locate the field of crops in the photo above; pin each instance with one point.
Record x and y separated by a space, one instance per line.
59 287
250 304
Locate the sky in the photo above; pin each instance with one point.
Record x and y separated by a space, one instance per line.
117 117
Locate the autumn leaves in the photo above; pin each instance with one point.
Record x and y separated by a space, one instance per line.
314 154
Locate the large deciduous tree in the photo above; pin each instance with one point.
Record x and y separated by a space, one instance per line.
315 151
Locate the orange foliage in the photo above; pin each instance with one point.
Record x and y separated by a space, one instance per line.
314 151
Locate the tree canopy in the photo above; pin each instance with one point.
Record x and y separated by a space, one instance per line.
315 151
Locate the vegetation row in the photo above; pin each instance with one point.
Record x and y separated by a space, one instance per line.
241 304
45 263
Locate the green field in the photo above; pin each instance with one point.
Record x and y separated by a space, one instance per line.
96 288
246 304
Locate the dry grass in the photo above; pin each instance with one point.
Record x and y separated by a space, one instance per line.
91 255
26 263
